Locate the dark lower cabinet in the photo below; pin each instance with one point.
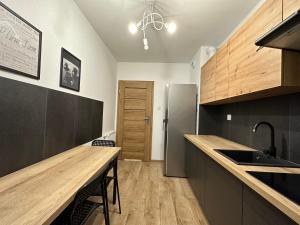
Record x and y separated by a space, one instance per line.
224 199
223 196
195 171
190 163
258 211
218 192
201 177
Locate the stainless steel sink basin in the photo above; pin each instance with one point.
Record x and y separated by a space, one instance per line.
255 158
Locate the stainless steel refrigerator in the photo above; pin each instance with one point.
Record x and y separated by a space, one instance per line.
180 118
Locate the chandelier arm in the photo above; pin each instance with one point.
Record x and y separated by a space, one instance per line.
149 19
155 22
152 10
144 27
143 21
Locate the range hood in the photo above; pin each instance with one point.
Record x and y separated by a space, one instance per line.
285 35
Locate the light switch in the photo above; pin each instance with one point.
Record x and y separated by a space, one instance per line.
228 116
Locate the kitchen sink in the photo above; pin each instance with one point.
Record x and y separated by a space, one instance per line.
255 158
285 183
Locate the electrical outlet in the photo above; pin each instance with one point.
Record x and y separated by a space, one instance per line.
229 117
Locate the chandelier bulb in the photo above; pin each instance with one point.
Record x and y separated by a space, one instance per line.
171 27
145 40
132 27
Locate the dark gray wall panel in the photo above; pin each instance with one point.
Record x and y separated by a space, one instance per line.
89 122
22 120
281 111
37 123
61 121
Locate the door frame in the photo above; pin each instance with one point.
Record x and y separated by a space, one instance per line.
148 150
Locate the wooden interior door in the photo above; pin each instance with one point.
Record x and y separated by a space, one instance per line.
134 126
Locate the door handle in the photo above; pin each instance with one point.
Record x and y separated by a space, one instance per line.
147 119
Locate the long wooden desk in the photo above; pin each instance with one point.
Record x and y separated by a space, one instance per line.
39 193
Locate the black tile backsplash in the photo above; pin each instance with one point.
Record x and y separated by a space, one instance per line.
283 112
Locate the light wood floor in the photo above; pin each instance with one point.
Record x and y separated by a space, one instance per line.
149 198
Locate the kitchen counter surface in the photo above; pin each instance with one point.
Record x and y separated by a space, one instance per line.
37 194
208 143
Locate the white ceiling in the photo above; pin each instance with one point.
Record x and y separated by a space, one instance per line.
199 23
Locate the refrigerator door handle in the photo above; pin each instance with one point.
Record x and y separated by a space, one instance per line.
196 119
165 122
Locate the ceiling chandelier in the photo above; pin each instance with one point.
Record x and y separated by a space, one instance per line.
151 20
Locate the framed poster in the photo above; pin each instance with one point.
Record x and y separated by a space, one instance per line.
20 44
70 71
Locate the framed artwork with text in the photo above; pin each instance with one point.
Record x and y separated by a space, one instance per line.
20 44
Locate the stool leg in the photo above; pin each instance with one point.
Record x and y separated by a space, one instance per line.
114 192
118 192
115 175
105 204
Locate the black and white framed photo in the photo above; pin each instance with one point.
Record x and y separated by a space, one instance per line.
70 71
20 44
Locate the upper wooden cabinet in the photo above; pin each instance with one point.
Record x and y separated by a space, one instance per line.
251 70
289 7
222 77
245 72
208 83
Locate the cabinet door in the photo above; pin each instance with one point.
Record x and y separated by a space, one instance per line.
258 211
195 166
289 7
251 70
223 196
188 159
222 73
207 90
191 163
200 176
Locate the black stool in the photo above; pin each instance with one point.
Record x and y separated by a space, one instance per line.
78 212
113 165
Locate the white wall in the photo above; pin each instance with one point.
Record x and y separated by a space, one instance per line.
200 58
63 25
161 74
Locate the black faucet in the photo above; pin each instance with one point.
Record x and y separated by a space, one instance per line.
272 149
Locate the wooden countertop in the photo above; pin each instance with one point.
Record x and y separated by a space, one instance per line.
39 193
208 143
